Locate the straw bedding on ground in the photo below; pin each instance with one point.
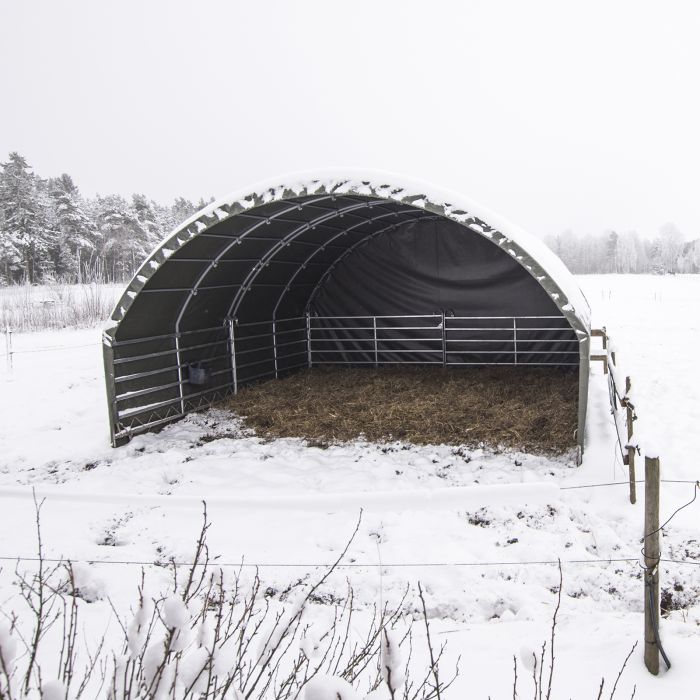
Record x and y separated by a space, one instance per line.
527 409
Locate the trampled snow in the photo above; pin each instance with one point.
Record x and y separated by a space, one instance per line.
463 522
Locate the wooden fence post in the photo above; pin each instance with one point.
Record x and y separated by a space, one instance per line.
630 450
8 347
652 556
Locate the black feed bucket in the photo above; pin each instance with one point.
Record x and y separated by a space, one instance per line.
198 374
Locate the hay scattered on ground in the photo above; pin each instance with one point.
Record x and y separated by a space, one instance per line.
528 409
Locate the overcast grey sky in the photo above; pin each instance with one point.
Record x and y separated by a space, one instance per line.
554 114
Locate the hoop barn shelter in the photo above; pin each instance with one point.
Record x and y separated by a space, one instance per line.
362 270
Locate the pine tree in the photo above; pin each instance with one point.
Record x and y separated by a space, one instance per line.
10 257
77 234
27 236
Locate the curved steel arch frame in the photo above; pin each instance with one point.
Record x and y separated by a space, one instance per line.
528 252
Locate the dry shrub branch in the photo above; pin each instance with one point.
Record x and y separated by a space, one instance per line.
212 636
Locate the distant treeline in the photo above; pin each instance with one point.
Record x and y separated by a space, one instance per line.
667 253
49 231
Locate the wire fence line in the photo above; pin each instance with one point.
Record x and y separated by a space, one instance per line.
57 347
162 499
10 351
349 565
51 348
388 565
626 483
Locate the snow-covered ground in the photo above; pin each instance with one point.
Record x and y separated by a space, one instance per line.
463 522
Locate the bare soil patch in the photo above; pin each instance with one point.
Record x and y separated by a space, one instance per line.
527 409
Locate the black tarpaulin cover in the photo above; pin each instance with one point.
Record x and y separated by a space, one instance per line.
251 264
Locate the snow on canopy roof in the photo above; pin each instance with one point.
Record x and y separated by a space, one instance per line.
528 250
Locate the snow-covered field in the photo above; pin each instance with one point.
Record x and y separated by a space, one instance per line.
56 305
463 522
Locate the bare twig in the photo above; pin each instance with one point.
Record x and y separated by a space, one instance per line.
554 626
622 669
433 665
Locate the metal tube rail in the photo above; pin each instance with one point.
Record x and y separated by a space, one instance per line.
495 318
270 347
371 362
279 320
267 359
332 318
267 335
136 410
385 328
128 430
394 352
450 364
169 368
150 390
387 340
500 340
134 341
162 353
188 289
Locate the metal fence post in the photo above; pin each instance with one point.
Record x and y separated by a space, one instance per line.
308 339
180 379
652 555
232 350
113 412
376 349
274 345
444 340
515 342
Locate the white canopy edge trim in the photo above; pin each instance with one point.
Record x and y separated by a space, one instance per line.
528 250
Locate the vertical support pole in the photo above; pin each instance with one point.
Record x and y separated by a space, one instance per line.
376 349
308 339
108 358
444 340
180 379
8 347
515 342
605 338
652 555
232 350
630 450
584 370
274 344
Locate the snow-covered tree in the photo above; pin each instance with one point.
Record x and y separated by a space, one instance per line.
77 235
124 238
611 252
26 234
670 246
